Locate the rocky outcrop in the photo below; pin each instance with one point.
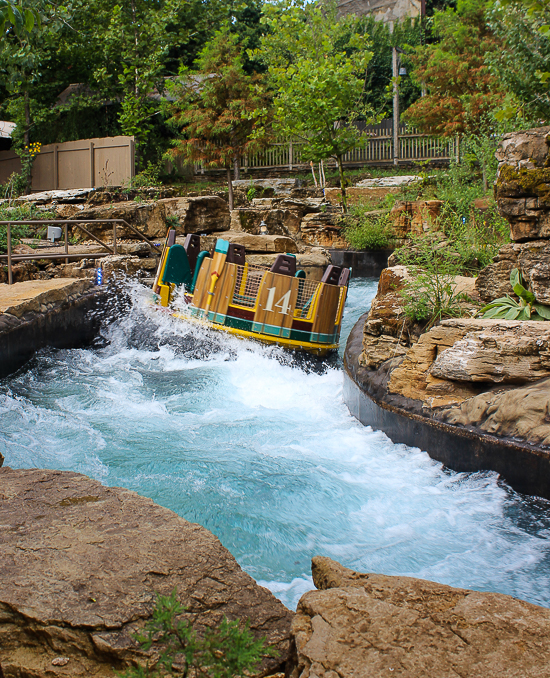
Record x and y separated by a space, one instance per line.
375 625
519 413
523 183
201 214
324 229
503 352
80 568
460 357
414 217
388 332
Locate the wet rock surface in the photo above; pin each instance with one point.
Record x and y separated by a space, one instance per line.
375 625
80 567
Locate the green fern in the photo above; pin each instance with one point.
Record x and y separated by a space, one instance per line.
506 308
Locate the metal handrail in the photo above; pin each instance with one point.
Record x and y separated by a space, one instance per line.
66 255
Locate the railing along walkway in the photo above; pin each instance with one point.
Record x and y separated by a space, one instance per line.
66 254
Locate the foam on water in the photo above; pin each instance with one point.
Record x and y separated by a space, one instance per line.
260 449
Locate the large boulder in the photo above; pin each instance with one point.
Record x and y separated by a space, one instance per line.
324 229
201 214
80 568
518 413
361 625
279 221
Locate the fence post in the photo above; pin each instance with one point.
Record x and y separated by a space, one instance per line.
67 242
10 275
92 165
290 158
55 169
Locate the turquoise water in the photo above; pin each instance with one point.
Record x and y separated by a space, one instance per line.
260 449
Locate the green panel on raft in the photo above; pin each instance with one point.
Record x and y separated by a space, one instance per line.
177 269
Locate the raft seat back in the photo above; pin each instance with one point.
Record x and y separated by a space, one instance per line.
222 246
300 274
202 256
236 254
192 246
332 275
284 264
171 240
343 280
177 269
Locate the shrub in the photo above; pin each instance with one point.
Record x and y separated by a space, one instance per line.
431 294
224 652
368 232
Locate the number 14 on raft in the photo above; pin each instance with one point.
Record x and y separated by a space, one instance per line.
283 303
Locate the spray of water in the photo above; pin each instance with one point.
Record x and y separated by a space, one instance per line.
259 447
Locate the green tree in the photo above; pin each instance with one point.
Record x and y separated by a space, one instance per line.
17 18
221 111
317 67
462 92
523 62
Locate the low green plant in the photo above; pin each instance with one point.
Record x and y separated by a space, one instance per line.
227 651
506 308
19 231
172 221
365 232
431 293
148 177
251 192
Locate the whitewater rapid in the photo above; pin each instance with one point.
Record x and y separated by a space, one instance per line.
261 450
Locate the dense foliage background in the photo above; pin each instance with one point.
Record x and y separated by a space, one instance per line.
86 68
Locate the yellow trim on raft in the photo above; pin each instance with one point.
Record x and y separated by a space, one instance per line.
318 349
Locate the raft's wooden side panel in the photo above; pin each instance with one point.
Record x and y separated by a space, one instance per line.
223 293
276 303
202 284
327 306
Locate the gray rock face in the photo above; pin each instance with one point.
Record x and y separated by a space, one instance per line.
81 564
504 353
363 625
523 149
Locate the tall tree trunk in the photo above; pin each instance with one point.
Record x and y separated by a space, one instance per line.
342 183
236 169
230 187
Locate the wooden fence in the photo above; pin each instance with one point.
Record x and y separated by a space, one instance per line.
87 163
377 149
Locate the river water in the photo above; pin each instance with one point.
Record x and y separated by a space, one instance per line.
260 449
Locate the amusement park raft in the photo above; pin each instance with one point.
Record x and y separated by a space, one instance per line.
276 305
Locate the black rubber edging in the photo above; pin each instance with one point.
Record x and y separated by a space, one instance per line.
524 467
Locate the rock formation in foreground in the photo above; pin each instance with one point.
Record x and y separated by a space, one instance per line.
80 567
371 625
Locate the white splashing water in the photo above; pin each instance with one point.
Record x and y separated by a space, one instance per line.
262 451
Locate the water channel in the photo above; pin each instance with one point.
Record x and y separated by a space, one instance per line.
260 449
